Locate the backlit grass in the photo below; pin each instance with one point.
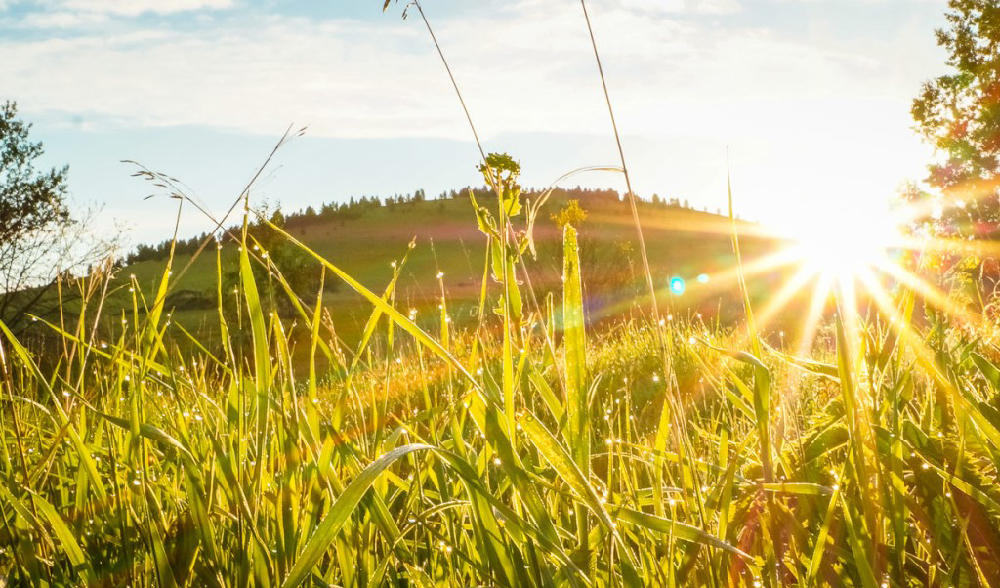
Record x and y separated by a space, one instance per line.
523 451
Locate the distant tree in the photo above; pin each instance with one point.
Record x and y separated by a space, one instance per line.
959 113
40 240
29 200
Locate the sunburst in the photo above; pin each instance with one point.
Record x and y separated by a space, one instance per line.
863 259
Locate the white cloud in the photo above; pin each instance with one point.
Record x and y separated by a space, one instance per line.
137 7
61 20
793 109
85 15
531 72
681 6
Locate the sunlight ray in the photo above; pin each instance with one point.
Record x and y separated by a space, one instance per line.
781 258
933 295
820 296
905 332
780 299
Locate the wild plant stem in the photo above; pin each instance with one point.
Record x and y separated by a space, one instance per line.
465 108
628 180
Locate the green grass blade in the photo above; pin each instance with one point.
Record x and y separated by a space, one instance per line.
340 512
70 546
402 321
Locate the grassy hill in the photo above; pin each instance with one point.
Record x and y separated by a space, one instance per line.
680 242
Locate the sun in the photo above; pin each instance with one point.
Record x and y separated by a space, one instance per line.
842 246
843 257
848 254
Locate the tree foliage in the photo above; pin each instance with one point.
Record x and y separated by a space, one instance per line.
40 240
30 200
959 113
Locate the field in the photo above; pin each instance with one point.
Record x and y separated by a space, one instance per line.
526 449
682 242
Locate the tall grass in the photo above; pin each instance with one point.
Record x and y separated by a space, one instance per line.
526 451
522 453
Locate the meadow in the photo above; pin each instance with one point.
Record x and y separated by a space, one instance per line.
682 242
542 440
521 451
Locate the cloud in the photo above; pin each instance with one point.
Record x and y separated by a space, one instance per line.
792 106
61 20
85 15
137 7
532 71
645 7
682 6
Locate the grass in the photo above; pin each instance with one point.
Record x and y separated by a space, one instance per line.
523 448
522 451
682 242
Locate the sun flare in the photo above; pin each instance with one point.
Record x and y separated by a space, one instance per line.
844 248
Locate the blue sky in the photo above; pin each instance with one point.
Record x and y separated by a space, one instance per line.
811 97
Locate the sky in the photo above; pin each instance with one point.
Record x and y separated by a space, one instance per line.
807 100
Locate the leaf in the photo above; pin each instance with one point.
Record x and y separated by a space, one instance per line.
66 538
815 367
801 488
150 432
819 548
86 459
858 546
575 343
682 531
738 355
262 358
404 323
568 471
989 371
340 511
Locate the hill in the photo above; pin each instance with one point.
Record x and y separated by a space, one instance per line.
365 240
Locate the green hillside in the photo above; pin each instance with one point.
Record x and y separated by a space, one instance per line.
680 243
